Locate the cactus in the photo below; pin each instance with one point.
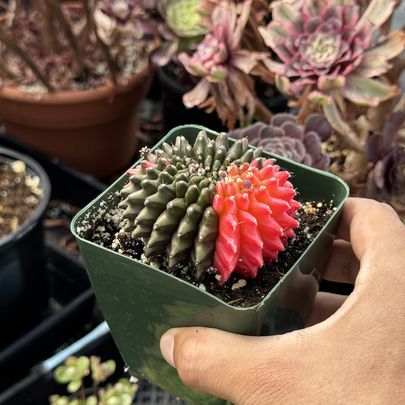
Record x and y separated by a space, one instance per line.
208 205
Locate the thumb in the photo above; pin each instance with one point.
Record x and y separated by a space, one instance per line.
234 367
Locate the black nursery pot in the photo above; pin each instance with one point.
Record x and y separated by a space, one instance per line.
176 114
174 111
23 286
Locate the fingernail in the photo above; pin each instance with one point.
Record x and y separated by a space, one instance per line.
167 348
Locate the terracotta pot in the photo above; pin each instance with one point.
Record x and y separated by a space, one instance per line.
92 130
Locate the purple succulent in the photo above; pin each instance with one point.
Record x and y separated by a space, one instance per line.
328 45
285 137
331 54
386 179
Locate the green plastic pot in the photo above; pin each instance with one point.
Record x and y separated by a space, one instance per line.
140 303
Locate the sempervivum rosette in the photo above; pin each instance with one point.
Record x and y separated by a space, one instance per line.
285 137
328 45
328 52
210 205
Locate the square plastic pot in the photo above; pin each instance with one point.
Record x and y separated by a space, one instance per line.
140 303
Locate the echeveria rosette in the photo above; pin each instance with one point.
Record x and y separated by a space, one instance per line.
210 205
285 137
328 48
223 67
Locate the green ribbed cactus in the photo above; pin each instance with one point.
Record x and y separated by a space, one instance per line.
168 199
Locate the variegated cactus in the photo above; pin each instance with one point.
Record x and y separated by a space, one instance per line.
210 205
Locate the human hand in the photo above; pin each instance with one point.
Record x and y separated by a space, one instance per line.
354 348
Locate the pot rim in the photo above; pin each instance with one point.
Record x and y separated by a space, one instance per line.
177 87
37 169
101 197
12 93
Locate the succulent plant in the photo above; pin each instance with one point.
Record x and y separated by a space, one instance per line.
328 45
179 26
121 393
210 205
76 369
73 372
183 17
386 179
328 51
285 137
223 66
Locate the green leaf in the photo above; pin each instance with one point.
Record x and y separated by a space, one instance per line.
284 12
327 83
283 84
58 400
372 66
273 34
218 75
334 117
110 366
77 401
390 47
318 98
83 364
115 400
376 14
368 92
91 400
64 374
74 386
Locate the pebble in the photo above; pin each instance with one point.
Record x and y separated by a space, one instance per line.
239 284
18 167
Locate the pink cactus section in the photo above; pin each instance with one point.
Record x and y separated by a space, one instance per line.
256 208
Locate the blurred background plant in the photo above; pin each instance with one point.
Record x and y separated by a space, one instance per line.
52 45
214 47
74 373
286 137
344 59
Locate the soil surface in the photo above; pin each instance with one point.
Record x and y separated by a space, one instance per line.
20 195
63 68
103 228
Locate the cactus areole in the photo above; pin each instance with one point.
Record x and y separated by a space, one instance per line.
217 207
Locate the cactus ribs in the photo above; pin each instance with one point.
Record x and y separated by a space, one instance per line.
210 205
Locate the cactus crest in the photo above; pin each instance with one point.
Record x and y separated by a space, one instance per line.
211 205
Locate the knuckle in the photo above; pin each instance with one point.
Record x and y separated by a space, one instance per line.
187 361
